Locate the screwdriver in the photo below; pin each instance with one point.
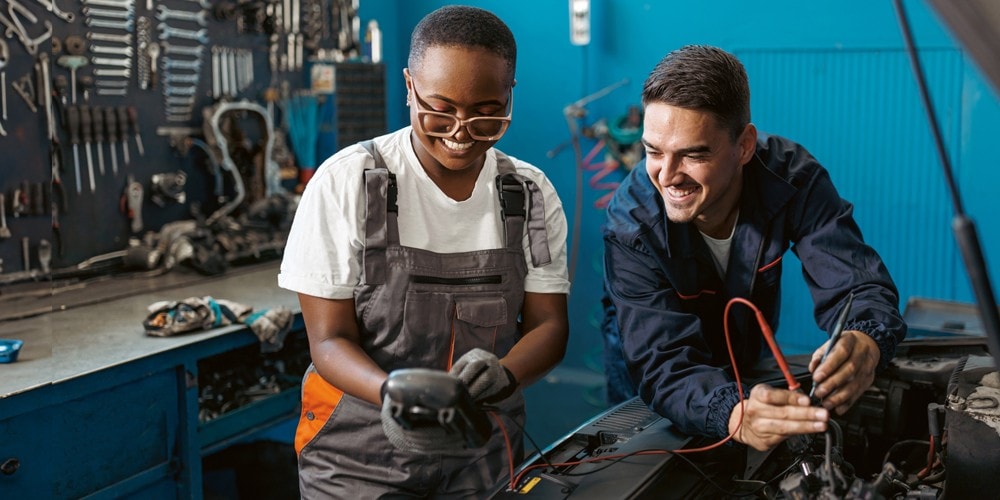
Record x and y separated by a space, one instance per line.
133 120
98 119
111 122
121 114
87 132
73 124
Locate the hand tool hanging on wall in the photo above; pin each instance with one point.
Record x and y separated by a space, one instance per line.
133 121
14 26
121 118
87 135
111 127
50 5
72 62
132 204
57 197
4 230
25 87
73 127
97 116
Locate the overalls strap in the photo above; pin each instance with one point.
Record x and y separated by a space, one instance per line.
381 216
516 209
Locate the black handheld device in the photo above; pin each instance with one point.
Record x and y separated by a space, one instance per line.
421 397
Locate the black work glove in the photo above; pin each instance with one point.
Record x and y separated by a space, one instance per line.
486 379
420 439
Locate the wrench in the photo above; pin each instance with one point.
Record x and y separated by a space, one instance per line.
177 100
94 22
115 72
111 61
163 14
174 91
107 49
167 31
111 13
179 64
175 78
120 4
187 50
107 37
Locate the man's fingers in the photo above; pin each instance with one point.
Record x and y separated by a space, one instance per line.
817 356
765 425
778 397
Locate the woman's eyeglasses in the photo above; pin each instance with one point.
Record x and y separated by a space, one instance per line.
481 128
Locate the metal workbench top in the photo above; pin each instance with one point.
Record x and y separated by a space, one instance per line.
65 344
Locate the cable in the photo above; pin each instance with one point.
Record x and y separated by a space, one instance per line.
506 440
899 444
765 329
782 364
930 461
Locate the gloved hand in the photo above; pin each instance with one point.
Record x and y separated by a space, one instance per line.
423 439
486 379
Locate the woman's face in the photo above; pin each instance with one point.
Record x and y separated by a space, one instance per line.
464 82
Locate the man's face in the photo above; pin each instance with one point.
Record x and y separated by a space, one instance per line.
459 81
696 165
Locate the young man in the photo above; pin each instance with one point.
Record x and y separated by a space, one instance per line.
709 218
419 250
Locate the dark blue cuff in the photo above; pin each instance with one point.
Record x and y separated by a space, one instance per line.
885 340
720 407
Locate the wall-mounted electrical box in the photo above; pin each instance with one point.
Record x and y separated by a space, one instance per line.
579 22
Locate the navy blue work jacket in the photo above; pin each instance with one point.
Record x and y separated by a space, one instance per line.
670 298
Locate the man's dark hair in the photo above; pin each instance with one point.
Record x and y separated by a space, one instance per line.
463 26
702 78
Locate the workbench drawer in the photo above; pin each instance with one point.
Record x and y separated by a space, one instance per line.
117 442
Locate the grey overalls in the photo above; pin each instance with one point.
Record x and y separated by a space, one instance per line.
418 308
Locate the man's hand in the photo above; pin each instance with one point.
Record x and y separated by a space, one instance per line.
847 372
771 415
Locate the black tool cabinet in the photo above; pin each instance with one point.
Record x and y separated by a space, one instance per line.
248 39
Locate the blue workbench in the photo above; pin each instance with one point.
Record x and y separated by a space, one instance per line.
95 408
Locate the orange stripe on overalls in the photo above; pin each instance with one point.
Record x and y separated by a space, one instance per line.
319 399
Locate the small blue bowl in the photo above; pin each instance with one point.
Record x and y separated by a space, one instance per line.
9 349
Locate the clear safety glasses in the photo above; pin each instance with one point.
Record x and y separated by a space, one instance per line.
481 128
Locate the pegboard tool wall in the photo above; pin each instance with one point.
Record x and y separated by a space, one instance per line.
104 37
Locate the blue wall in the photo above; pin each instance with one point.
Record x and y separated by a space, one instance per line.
832 75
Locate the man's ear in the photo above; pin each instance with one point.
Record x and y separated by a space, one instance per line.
748 143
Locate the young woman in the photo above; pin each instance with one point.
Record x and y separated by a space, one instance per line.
427 248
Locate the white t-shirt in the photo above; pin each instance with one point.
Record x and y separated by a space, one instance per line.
720 249
323 254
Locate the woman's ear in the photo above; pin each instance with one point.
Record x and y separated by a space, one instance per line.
409 85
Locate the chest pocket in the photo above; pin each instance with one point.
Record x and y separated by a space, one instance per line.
444 325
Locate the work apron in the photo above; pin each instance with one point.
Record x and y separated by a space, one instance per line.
417 308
